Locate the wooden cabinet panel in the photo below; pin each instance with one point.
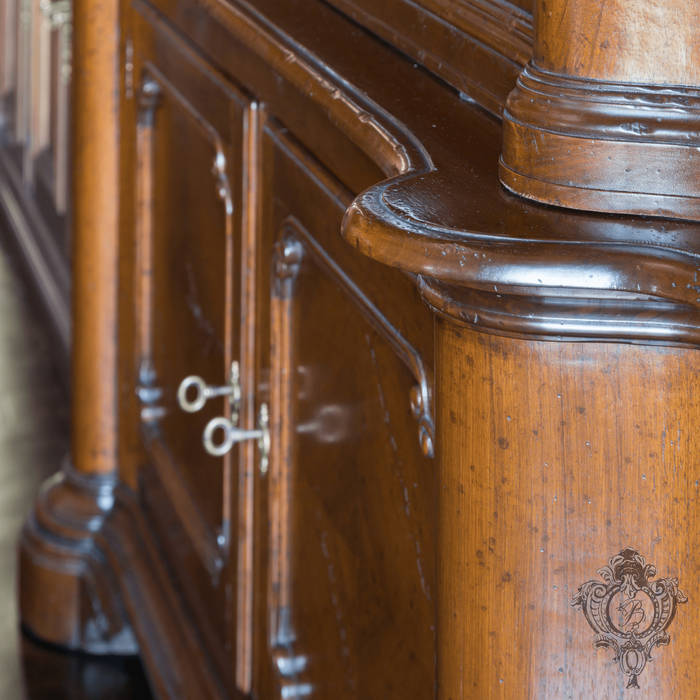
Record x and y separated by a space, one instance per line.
188 189
349 500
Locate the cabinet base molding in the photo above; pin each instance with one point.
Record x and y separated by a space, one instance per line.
66 595
91 581
602 146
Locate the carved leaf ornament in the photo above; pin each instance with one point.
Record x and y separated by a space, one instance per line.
629 612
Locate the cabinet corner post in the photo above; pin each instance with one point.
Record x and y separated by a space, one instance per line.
66 597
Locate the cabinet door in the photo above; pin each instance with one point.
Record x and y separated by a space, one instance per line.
348 511
188 193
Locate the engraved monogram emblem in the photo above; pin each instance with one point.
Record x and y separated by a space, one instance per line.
628 612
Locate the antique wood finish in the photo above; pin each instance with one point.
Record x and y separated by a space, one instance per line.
608 121
67 595
475 401
189 131
477 46
95 245
347 459
572 453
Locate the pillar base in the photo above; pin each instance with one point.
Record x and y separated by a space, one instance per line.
66 594
603 146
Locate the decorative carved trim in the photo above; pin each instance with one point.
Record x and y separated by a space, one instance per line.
603 146
440 216
294 243
385 140
605 109
154 81
287 258
59 553
286 264
149 394
636 265
629 612
565 317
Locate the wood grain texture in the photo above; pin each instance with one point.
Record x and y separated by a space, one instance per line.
368 550
623 40
477 46
95 143
555 457
604 119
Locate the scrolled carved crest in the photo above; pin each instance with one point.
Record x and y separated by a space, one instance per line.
628 611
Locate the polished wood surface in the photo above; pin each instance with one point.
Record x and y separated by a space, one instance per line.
604 117
95 142
477 46
302 199
557 456
57 545
331 580
635 42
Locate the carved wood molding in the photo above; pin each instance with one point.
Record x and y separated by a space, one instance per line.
606 116
443 214
603 146
420 398
554 318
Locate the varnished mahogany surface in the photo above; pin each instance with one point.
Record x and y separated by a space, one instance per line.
440 218
557 456
256 141
605 116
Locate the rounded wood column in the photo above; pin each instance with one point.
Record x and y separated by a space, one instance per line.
67 596
95 234
605 116
557 460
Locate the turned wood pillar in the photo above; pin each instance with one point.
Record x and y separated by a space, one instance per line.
95 229
66 595
605 117
561 464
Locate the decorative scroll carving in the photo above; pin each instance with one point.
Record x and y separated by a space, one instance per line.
628 612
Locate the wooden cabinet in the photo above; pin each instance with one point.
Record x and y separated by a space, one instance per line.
188 193
296 558
431 410
347 505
